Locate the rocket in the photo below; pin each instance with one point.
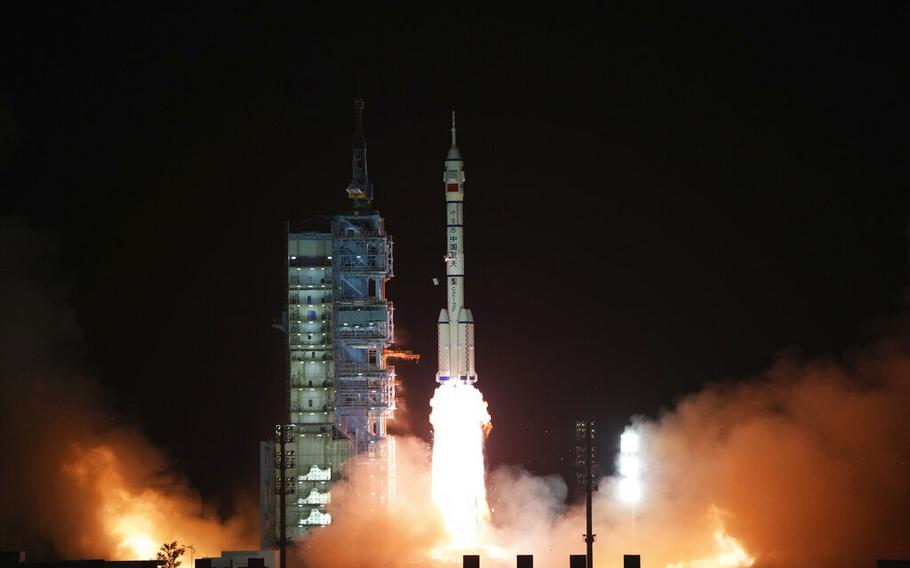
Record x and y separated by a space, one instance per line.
456 323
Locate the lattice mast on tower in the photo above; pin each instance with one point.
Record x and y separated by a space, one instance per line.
360 191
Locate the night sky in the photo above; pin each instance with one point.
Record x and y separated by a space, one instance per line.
657 197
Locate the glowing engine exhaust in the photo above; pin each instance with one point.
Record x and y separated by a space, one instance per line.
460 421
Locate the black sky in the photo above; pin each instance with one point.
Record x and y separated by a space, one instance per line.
657 196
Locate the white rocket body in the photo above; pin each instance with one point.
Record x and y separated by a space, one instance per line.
456 323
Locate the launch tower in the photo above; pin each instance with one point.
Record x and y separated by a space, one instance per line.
339 331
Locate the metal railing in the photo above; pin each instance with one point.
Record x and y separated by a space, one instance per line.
353 368
345 304
377 332
347 232
298 316
301 408
378 399
304 261
301 327
308 383
297 355
375 264
309 285
296 301
301 343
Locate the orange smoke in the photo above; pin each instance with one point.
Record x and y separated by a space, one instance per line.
806 465
83 490
135 519
364 537
728 552
76 481
810 462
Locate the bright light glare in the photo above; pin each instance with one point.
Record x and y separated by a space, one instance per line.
629 442
629 489
629 466
729 554
134 521
732 554
459 420
139 546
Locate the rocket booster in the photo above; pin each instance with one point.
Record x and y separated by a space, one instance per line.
456 323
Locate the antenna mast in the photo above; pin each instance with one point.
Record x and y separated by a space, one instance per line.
359 190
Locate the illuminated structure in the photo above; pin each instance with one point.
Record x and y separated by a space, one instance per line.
339 331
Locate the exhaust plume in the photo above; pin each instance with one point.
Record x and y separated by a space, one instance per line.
460 425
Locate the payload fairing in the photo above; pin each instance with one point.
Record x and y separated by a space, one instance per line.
456 323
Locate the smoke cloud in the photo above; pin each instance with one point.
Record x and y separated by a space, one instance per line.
77 482
805 465
405 534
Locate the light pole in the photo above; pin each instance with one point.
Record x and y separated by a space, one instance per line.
284 434
586 461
